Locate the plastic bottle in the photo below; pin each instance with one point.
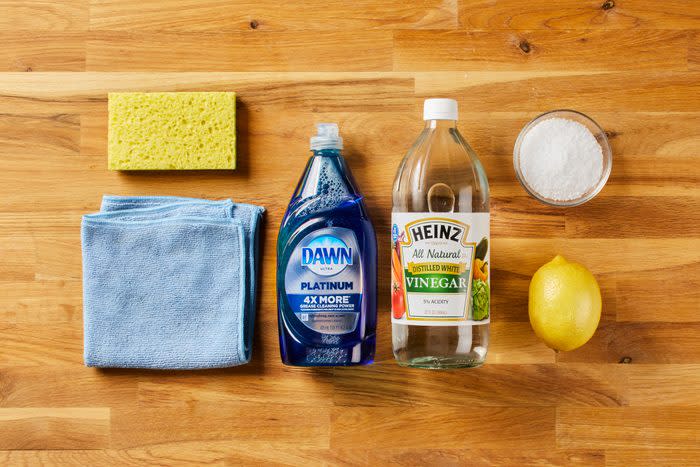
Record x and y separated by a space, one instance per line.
440 255
326 265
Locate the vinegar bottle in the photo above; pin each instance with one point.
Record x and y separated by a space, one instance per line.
440 255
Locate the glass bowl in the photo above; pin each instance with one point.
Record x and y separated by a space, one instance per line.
599 135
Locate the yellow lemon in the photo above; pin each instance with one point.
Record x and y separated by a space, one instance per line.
564 304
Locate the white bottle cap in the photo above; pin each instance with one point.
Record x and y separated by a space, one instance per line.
327 137
440 109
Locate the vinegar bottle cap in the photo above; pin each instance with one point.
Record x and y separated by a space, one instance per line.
327 137
440 109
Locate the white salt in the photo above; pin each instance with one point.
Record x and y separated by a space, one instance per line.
560 159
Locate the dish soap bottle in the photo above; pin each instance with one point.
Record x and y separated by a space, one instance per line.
440 255
326 265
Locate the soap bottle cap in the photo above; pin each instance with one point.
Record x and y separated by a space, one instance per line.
440 109
327 137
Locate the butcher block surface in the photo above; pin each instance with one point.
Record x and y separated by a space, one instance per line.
630 396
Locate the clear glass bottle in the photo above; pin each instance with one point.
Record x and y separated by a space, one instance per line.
440 255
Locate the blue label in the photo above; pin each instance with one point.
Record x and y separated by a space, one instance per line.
323 281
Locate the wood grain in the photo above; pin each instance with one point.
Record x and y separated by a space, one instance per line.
590 92
42 51
631 396
54 428
239 51
646 456
596 50
218 15
628 427
579 14
377 426
39 15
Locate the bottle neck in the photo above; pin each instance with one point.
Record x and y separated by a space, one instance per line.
327 162
441 124
331 152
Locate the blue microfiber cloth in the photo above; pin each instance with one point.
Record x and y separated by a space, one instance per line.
169 283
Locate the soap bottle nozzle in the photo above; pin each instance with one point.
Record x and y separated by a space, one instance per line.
327 137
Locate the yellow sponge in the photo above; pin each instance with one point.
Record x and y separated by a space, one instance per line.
172 130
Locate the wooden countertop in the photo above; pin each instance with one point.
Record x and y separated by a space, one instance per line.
631 395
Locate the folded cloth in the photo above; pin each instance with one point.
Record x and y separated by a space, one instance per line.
169 282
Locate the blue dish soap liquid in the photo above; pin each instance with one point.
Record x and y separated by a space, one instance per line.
327 265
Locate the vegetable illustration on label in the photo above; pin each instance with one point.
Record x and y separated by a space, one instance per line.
398 305
480 287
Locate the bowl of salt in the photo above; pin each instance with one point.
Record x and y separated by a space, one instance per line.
562 158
